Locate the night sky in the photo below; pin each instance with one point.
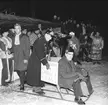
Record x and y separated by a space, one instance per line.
80 10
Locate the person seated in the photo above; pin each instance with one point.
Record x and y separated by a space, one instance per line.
71 75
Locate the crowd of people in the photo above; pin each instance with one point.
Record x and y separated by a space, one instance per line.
28 49
89 37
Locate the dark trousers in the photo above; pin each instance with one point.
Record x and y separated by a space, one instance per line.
62 50
5 71
22 76
77 87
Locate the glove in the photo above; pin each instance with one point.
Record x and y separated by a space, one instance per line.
47 66
81 77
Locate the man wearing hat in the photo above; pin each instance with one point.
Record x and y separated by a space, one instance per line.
37 57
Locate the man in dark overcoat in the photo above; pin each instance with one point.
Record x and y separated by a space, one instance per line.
70 75
37 57
21 50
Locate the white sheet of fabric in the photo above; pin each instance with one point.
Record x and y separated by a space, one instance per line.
1 67
17 40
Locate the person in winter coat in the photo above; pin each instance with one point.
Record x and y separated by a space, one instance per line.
37 57
71 75
21 50
6 57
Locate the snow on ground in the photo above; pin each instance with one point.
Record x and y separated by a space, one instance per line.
99 79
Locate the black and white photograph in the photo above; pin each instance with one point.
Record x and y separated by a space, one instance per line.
53 52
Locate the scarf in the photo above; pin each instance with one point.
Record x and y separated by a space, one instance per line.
17 39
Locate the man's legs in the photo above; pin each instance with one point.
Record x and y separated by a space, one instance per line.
21 75
77 89
89 85
22 79
11 70
78 92
4 73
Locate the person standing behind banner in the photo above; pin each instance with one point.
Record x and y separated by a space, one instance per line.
21 50
5 45
37 57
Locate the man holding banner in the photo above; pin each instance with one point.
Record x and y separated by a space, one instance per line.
37 57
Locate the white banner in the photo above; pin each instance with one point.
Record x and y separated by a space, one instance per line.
1 67
50 75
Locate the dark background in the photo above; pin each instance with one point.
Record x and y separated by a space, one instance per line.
94 11
80 10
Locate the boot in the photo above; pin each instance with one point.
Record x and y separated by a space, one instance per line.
22 87
38 90
22 78
79 101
